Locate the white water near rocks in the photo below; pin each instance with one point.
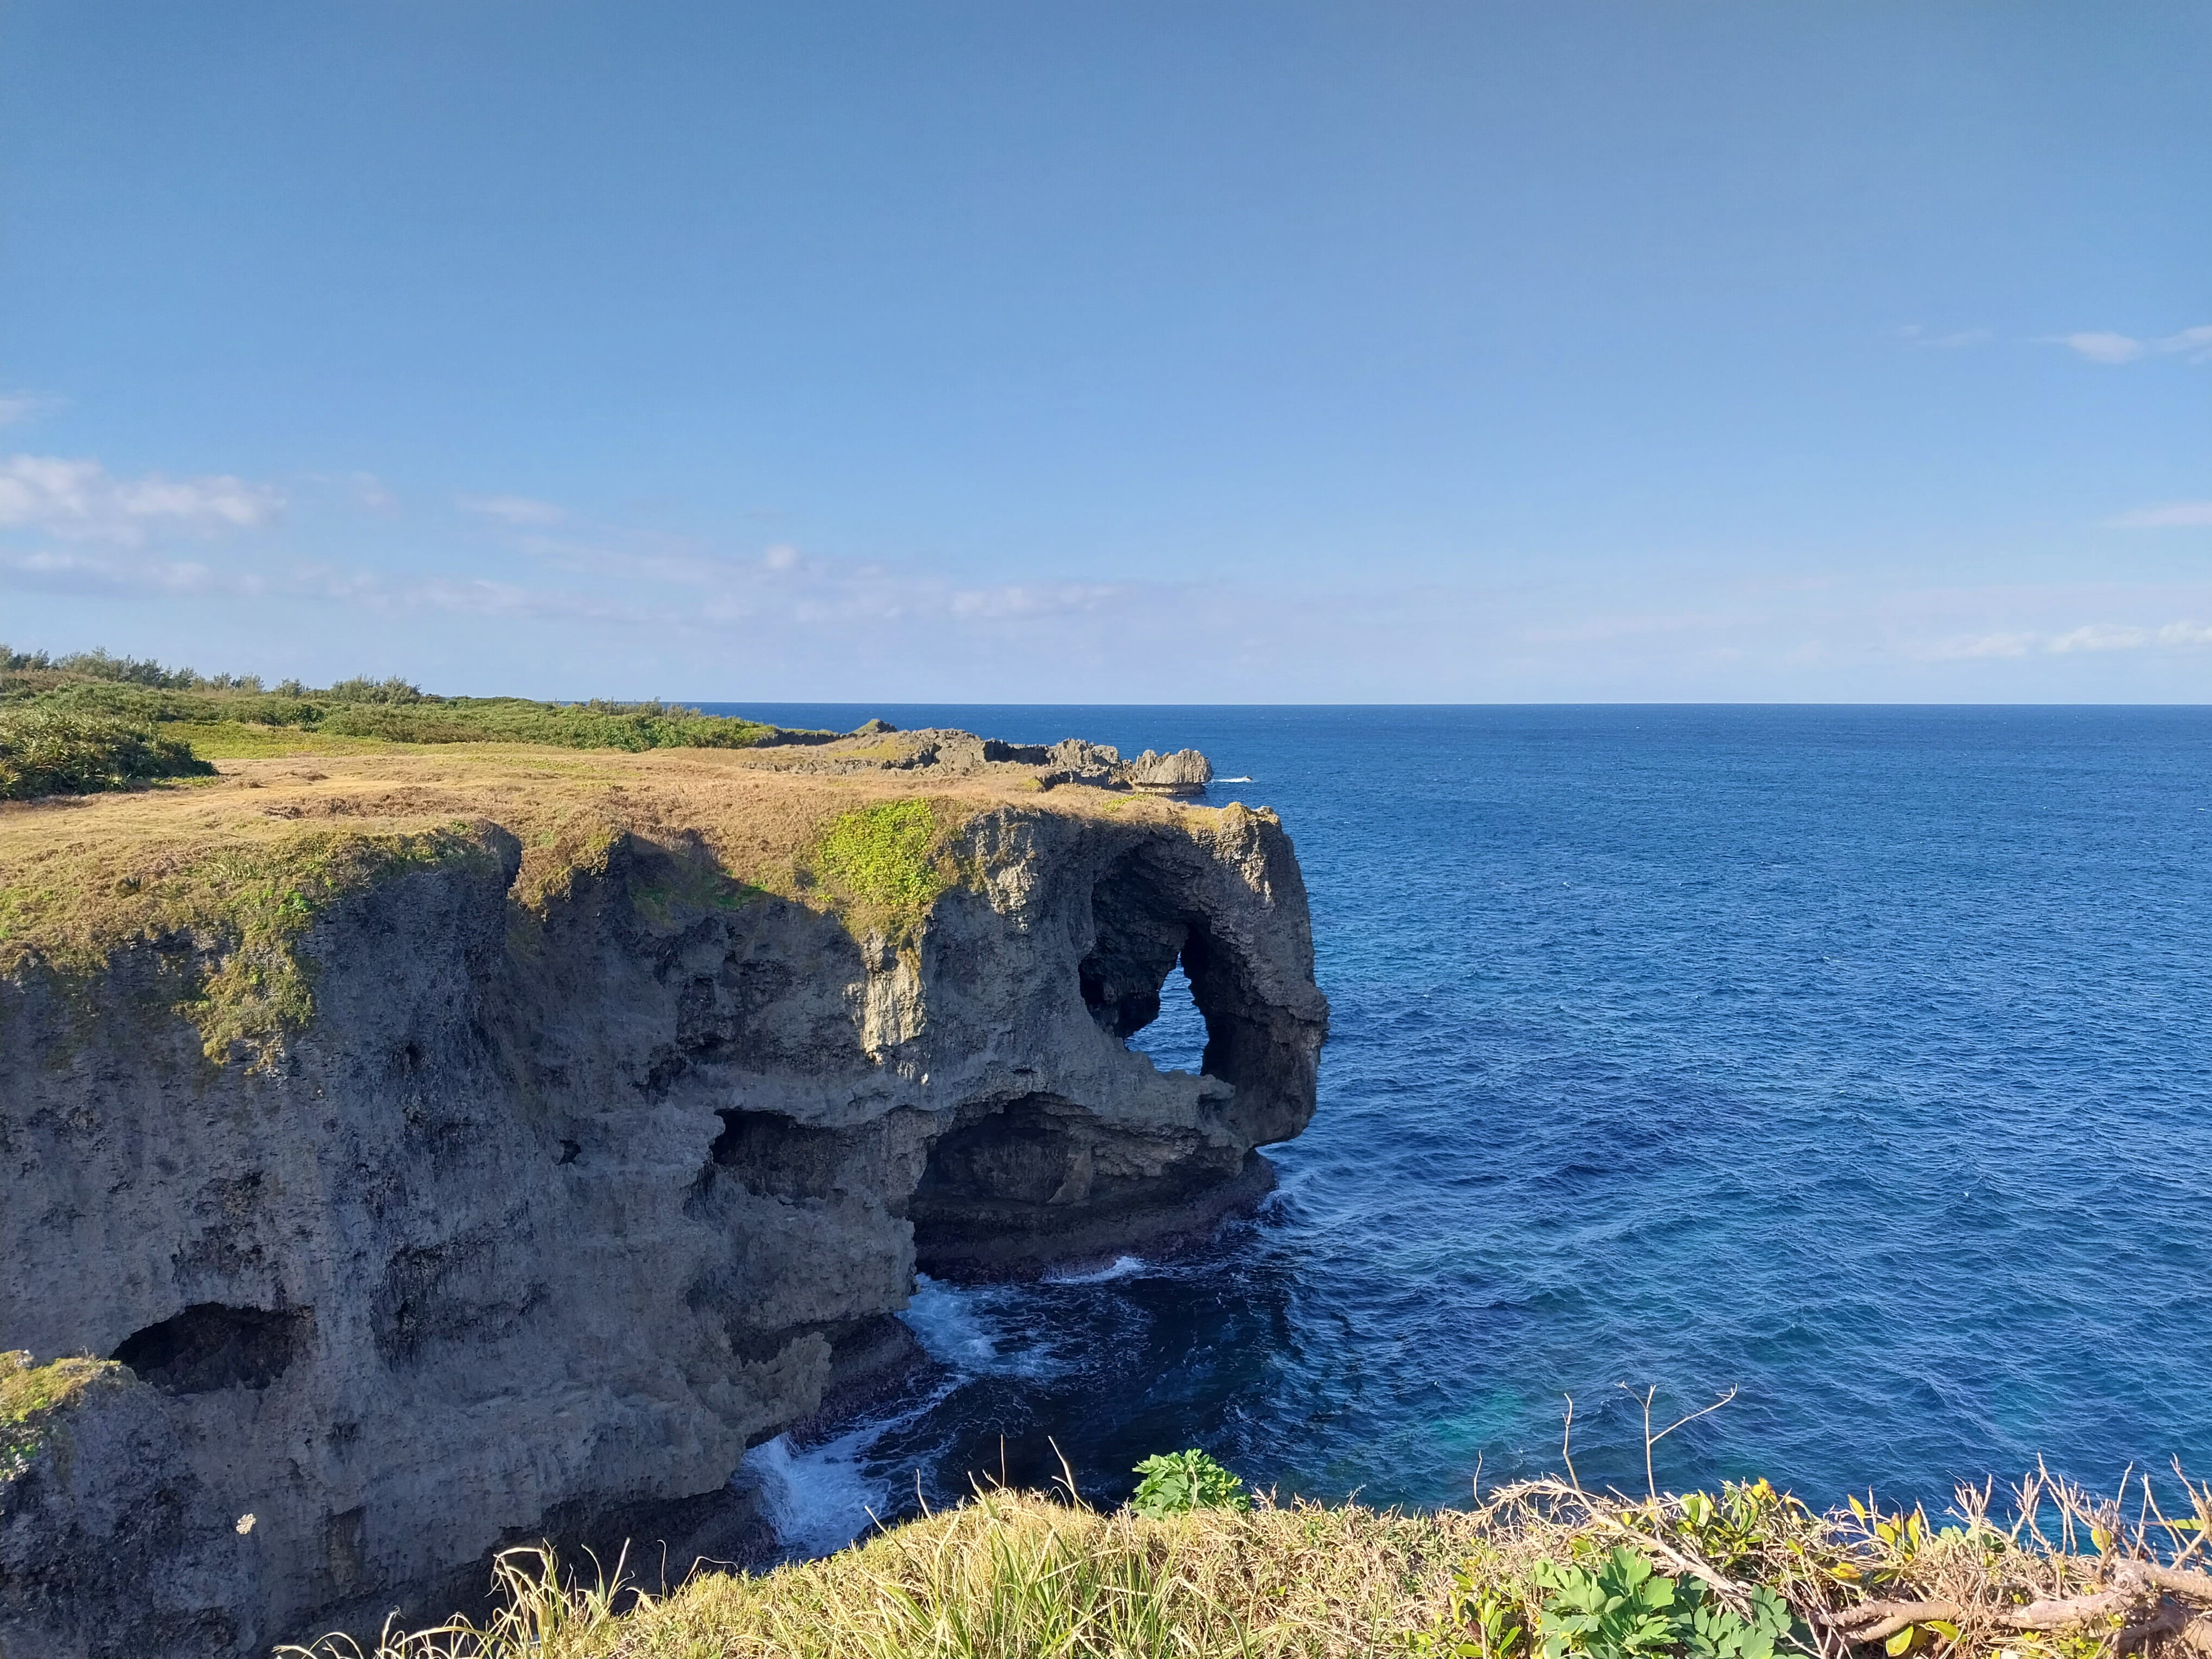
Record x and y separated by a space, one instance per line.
821 1497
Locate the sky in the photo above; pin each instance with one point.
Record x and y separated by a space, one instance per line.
1139 352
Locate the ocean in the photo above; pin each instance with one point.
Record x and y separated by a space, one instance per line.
1858 1060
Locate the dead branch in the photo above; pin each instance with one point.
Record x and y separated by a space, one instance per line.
2182 1582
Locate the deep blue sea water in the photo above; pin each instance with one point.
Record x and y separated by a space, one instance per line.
1858 1058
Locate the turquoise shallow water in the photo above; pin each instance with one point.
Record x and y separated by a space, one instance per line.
1860 1059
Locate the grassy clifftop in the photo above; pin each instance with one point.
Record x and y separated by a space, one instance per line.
1541 1571
240 863
89 722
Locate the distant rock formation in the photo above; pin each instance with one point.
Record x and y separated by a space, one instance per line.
1186 772
880 747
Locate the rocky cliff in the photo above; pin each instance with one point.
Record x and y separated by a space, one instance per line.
454 1150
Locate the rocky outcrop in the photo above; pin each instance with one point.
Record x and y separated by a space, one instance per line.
879 747
1186 772
550 1210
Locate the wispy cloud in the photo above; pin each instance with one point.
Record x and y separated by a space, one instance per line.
17 406
514 509
1967 648
2101 346
2104 347
51 572
2090 636
80 500
1917 334
2167 515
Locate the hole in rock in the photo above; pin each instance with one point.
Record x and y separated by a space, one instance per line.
767 1152
210 1346
1175 1040
1153 968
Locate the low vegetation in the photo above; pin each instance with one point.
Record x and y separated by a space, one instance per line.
1539 1568
236 907
91 721
31 1397
886 858
59 751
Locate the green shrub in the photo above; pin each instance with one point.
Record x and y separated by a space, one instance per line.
882 855
361 688
1625 1608
61 752
392 710
1175 1483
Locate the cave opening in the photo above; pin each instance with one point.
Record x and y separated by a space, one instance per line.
775 1156
210 1346
1154 977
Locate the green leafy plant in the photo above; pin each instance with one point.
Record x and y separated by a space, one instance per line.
1626 1607
1484 1621
1175 1483
1622 1609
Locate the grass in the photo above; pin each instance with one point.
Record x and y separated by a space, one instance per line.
1010 1576
32 1396
93 721
885 857
47 751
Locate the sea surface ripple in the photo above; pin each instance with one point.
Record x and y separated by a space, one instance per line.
1859 1059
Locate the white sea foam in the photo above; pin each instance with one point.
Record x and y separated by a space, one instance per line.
819 1499
963 1327
1121 1266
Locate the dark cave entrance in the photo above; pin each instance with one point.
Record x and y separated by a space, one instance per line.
210 1346
1155 977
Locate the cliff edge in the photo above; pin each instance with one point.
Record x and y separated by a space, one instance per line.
461 1147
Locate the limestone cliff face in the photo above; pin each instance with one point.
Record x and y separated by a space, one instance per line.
547 1213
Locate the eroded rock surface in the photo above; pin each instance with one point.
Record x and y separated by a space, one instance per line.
550 1211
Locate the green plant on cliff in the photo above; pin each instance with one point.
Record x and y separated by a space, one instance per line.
884 858
1622 1608
30 1397
46 751
263 986
1175 1483
242 908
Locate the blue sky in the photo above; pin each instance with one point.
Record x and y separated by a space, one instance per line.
1129 352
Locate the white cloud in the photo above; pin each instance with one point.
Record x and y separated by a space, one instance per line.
50 572
371 492
19 406
2102 637
2104 347
781 557
2167 515
80 500
2192 345
514 509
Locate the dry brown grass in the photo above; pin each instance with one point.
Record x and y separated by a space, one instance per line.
1010 1576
